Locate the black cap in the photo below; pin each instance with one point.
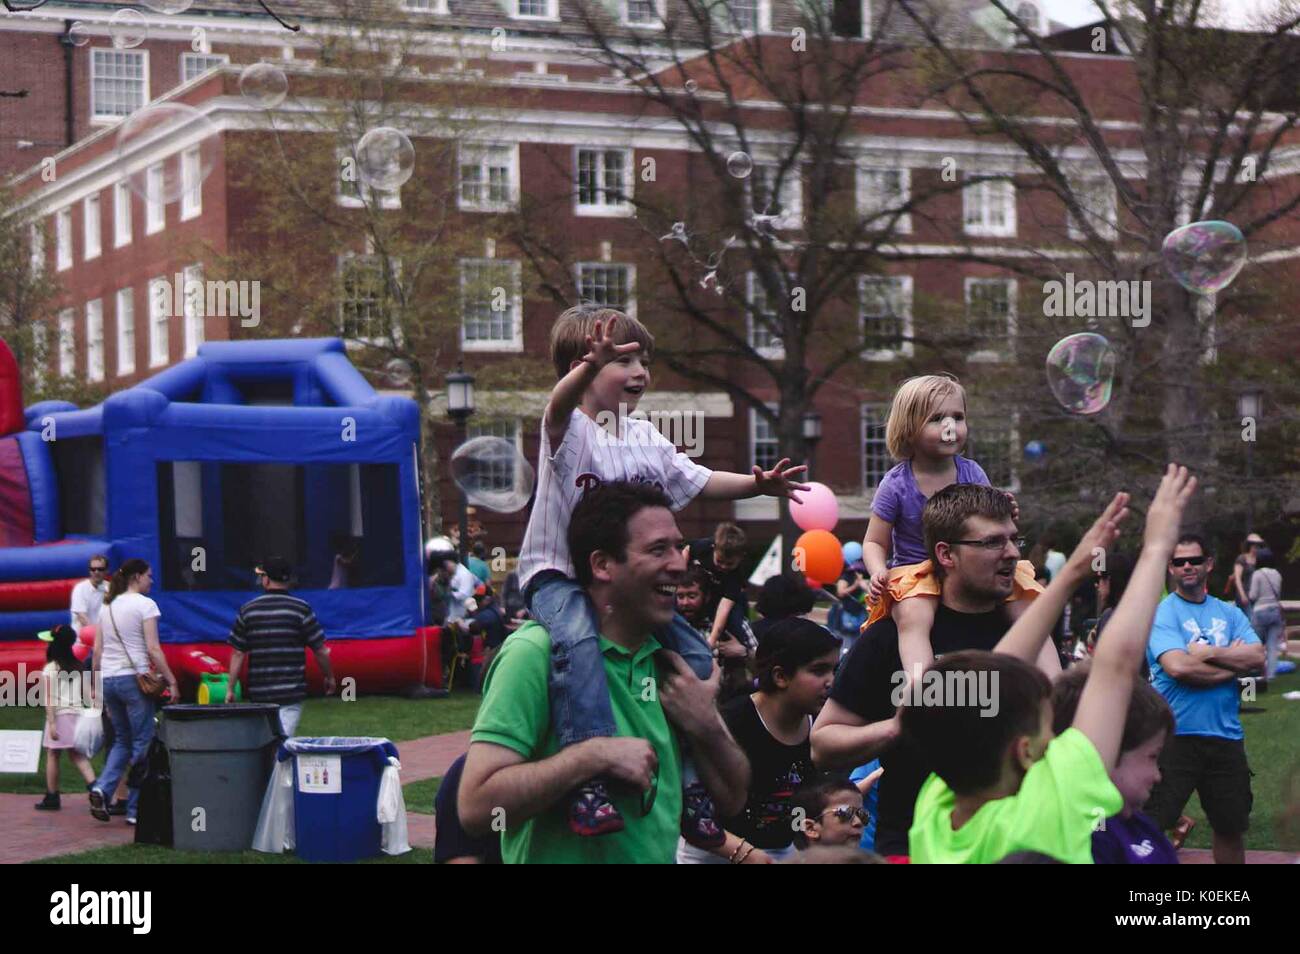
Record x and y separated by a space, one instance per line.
277 569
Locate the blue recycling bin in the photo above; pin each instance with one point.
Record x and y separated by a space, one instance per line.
336 795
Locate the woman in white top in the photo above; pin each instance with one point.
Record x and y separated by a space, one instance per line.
125 645
1266 608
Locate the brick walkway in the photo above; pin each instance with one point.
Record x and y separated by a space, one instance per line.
431 756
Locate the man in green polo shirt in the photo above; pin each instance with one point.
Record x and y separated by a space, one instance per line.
626 549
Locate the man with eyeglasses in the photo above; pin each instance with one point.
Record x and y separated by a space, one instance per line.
971 535
88 595
1199 646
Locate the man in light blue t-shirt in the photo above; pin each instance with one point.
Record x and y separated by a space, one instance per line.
1198 647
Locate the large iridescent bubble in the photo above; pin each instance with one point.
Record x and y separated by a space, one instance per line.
492 473
1205 257
1081 372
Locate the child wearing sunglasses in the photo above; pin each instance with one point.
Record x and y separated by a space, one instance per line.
831 814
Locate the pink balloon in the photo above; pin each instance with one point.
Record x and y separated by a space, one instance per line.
819 510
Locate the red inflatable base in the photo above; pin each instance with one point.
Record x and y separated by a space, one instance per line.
387 665
37 595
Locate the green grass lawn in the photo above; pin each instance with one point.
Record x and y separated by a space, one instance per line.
394 717
420 795
156 855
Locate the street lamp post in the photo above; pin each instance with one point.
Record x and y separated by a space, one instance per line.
1249 405
460 405
812 433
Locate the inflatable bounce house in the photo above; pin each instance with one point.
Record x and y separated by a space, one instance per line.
249 450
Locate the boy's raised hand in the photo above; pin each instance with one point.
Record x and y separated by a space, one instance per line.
601 349
777 482
1165 515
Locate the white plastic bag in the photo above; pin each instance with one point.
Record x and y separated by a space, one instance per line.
275 832
88 738
391 810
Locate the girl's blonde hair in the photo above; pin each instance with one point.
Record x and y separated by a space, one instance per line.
914 402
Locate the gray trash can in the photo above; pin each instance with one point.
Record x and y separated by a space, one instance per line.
221 759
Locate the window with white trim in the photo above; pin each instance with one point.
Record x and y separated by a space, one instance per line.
67 342
644 13
155 212
536 9
604 178
600 283
764 446
489 177
876 461
491 307
851 18
989 208
121 215
191 184
195 333
95 340
744 16
36 239
63 239
352 193
991 443
497 475
786 203
1097 199
119 82
125 331
885 313
882 191
991 316
762 320
365 299
196 64
160 306
90 223
425 6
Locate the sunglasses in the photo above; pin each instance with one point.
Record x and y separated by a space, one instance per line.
847 813
1183 561
99 569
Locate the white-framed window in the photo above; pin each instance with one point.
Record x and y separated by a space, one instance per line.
991 316
351 193
764 446
91 225
498 476
67 342
882 191
121 215
604 179
1096 196
993 443
195 333
989 208
885 313
535 9
125 331
364 298
786 203
119 82
644 13
489 176
762 320
95 340
876 461
155 212
744 16
614 285
63 239
851 18
491 305
160 307
196 64
191 184
425 6
36 239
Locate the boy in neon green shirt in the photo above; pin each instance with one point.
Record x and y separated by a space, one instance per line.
1002 784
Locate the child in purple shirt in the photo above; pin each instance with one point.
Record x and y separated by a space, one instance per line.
1129 838
926 432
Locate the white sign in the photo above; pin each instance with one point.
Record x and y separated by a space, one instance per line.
320 774
769 566
20 751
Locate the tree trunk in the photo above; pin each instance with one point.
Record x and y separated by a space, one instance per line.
431 498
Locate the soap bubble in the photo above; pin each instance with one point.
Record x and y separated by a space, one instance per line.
385 158
398 373
1205 257
740 165
169 7
678 232
1081 372
440 545
78 34
263 85
127 29
1035 450
136 135
691 86
492 473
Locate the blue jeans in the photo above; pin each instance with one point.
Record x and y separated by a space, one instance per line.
132 716
1269 627
580 706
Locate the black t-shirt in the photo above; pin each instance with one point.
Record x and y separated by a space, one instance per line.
729 584
865 685
777 770
450 840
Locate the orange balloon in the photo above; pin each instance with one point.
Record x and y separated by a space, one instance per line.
819 556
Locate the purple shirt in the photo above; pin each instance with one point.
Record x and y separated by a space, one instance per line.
900 501
1136 840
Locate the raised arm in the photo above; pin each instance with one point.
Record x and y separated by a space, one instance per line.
777 482
568 391
1103 707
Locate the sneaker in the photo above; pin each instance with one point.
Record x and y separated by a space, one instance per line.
131 821
1181 831
699 826
97 807
118 807
592 813
50 803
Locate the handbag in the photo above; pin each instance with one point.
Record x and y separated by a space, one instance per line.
152 684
